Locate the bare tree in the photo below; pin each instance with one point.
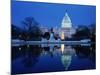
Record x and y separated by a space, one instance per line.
28 23
31 26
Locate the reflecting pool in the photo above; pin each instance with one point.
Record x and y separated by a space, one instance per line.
51 58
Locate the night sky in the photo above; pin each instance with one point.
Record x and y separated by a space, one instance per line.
50 15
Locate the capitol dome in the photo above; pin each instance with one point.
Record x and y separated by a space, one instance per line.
66 22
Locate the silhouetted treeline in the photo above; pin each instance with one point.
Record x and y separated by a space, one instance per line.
30 31
85 32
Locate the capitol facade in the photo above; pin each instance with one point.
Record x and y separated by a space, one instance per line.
65 31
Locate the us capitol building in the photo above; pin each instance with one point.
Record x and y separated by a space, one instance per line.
65 31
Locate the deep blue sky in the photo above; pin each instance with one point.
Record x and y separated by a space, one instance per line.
50 15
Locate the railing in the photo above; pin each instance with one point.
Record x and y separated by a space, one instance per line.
50 42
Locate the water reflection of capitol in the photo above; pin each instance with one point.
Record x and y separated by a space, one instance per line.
65 31
66 53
